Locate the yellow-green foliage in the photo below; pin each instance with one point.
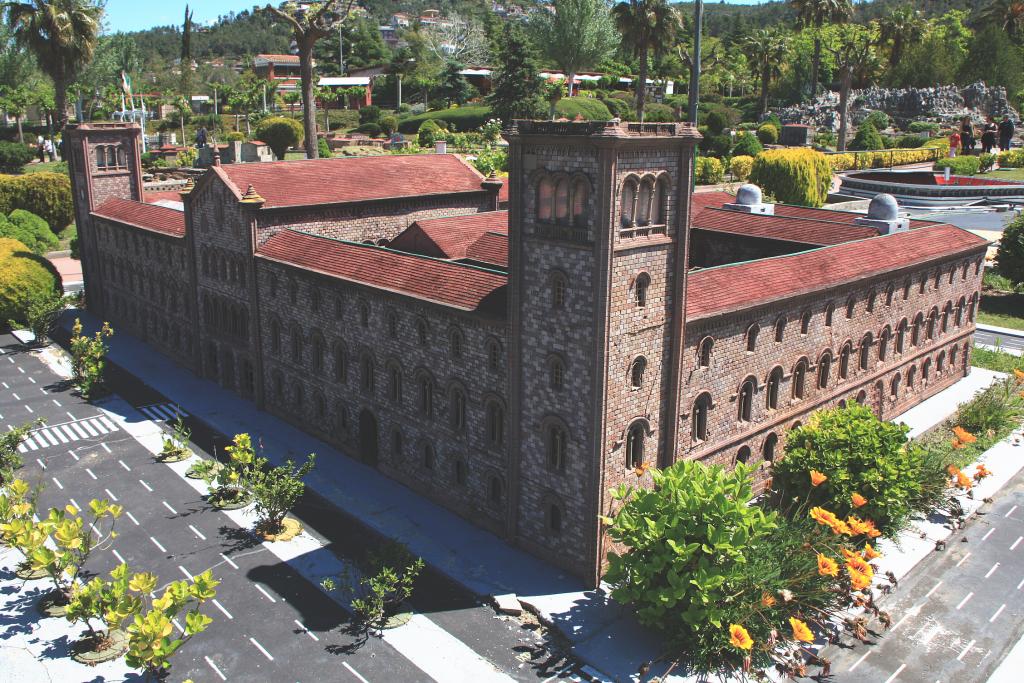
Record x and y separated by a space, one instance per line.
709 171
842 162
793 176
740 166
23 276
47 195
1011 159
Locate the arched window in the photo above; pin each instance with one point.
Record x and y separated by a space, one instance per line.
493 355
883 343
906 289
275 329
830 311
426 395
495 423
958 317
556 371
745 399
394 382
701 411
457 412
743 454
554 519
635 445
952 273
364 314
562 200
318 352
579 201
938 277
545 200
429 458
851 305
455 342
888 295
495 490
901 336
824 369
392 323
915 329
643 281
894 387
780 329
101 158
771 442
643 203
799 379
947 311
340 364
659 206
865 352
862 396
923 284
558 287
963 275
296 344
930 327
421 331
926 370
805 322
366 373
704 352
111 156
628 205
871 301
911 377
940 362
340 419
752 332
971 306
556 444
844 360
636 372
771 398
953 352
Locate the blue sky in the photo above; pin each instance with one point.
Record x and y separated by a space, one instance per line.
133 15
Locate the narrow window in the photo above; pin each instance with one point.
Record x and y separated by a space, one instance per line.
771 399
635 446
427 396
746 400
743 454
493 356
455 343
844 361
911 377
830 312
628 203
643 204
799 378
752 337
926 370
318 352
495 424
495 490
554 519
871 302
556 448
906 289
930 327
865 352
940 362
888 295
367 373
915 330
558 291
704 353
768 449
557 374
397 445
636 373
701 407
894 387
780 329
579 202
392 323
883 343
851 304
562 201
643 281
364 314
824 370
340 369
953 352
458 409
545 200
461 472
901 336
421 331
395 383
805 322
428 457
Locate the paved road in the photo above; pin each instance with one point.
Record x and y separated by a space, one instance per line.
270 624
958 613
1006 341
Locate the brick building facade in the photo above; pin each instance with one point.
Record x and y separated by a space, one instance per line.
513 366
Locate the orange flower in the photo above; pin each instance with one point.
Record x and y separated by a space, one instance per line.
847 553
739 638
963 481
957 443
827 566
870 553
981 473
856 563
872 532
964 435
952 469
817 478
858 500
841 527
857 525
1019 374
767 600
823 516
800 631
858 580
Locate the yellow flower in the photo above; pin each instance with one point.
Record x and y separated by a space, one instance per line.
858 580
858 500
767 600
800 631
823 516
817 478
739 638
963 481
964 435
827 566
870 553
856 563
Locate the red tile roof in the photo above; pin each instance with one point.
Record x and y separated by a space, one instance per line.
141 215
451 236
442 282
735 287
790 228
833 215
283 59
491 248
161 195
334 181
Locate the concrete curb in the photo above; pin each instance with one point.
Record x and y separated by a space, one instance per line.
994 329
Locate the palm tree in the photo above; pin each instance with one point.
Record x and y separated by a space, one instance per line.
856 60
62 35
646 26
815 14
903 26
765 49
1006 14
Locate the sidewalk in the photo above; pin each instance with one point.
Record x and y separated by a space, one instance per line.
603 634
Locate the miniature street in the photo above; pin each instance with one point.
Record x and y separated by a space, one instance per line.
269 622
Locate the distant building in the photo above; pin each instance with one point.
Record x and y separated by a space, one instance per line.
277 67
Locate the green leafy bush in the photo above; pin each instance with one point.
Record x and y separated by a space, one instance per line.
747 144
30 230
793 176
709 171
187 157
1010 254
861 456
768 133
461 119
323 150
826 139
619 108
344 118
909 141
428 133
47 195
1013 158
491 160
923 127
986 162
372 129
14 155
878 119
715 145
740 166
716 122
867 137
660 113
589 109
388 124
235 136
279 133
369 114
959 165
24 278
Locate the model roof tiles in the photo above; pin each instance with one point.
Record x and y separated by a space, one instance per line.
726 289
450 284
336 181
452 237
141 215
781 227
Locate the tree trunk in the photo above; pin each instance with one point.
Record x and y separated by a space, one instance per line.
641 83
308 104
897 51
765 80
60 102
21 133
844 113
572 77
815 66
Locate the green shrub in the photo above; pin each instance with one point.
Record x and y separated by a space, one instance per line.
1013 158
24 277
187 157
923 127
489 160
867 137
740 166
30 230
369 114
715 145
618 108
826 139
909 141
372 129
323 149
768 133
709 171
959 165
1010 254
793 176
747 144
986 162
461 119
235 136
878 119
47 195
14 155
428 133
388 124
589 109
660 113
279 133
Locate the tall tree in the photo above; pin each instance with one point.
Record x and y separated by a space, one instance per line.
517 86
186 56
309 24
647 26
856 61
814 14
765 49
579 35
903 26
62 35
1006 14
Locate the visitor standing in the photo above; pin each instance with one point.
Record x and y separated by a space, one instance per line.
201 137
48 149
988 136
39 148
966 135
1005 133
954 143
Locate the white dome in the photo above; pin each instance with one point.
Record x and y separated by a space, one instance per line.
883 207
748 195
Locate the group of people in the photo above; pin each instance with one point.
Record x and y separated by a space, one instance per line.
992 135
46 149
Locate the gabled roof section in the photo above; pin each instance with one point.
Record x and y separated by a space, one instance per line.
312 182
726 289
452 236
141 215
464 287
492 248
781 227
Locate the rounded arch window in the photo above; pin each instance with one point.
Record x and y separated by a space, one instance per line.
799 379
780 329
643 202
559 288
364 314
640 287
894 387
556 370
851 305
824 369
743 454
805 322
844 361
457 408
495 415
883 343
636 372
911 377
947 311
426 397
392 323
659 204
635 437
940 362
745 399
628 203
493 349
889 291
752 333
562 200
953 353
556 443
366 372
546 200
771 398
771 443
580 193
455 342
554 518
422 331
701 412
926 369
394 382
704 352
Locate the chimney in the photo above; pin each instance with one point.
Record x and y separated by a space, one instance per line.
884 215
748 200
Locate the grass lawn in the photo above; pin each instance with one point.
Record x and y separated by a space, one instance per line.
65 237
46 167
1000 361
1008 174
1004 309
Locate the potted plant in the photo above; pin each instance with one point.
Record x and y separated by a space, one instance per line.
229 485
175 447
275 491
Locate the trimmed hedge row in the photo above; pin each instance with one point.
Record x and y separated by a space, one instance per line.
47 195
793 176
959 165
588 108
881 158
461 119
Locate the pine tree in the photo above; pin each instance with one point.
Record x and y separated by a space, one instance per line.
517 88
454 86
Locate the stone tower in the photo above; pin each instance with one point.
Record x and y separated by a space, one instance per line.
104 163
598 230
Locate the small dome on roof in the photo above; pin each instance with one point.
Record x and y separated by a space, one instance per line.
748 195
883 207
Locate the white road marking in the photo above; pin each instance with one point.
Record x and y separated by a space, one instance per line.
228 560
90 473
177 625
966 598
306 630
185 572
107 423
112 496
95 530
72 435
68 413
20 369
75 503
132 517
895 673
261 648
41 463
998 612
221 608
1017 542
31 380
354 672
72 454
56 402
963 559
29 409
31 444
57 482
98 426
89 428
260 589
988 533
963 652
49 437
902 619
118 556
215 669
168 506
994 567
106 448
1011 511
1020 584
157 544
146 486
197 532
82 434
121 462
16 397
6 386
57 433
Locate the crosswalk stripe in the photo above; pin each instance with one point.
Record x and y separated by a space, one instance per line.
59 434
49 437
150 413
22 448
98 426
87 427
31 444
70 432
78 430
108 424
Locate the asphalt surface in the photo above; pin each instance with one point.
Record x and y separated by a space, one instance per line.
1006 341
958 612
270 623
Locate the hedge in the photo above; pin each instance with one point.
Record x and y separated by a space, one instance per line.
47 195
740 166
461 119
709 171
24 276
14 155
747 144
881 158
793 176
660 113
589 108
768 133
959 165
280 133
30 230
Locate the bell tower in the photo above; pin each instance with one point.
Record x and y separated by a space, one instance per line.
598 235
